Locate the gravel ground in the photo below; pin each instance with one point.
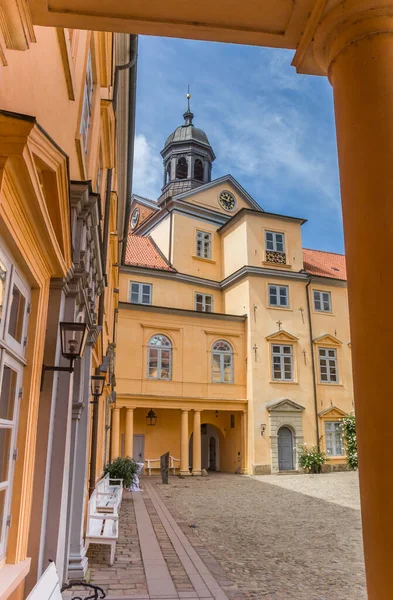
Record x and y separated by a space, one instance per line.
278 537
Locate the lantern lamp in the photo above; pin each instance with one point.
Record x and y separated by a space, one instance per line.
73 338
151 418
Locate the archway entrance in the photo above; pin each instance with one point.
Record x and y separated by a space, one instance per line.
285 449
212 454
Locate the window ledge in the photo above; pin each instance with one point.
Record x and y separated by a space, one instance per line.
330 383
280 308
285 382
208 260
11 576
276 265
323 312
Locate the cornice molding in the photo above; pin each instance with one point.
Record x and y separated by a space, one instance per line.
181 312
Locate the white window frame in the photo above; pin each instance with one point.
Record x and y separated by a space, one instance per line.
140 292
203 246
203 302
331 440
276 245
87 104
160 349
276 289
318 297
282 355
14 361
222 356
327 359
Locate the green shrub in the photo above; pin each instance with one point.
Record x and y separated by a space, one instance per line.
351 444
122 468
311 459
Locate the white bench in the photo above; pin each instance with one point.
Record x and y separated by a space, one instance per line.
102 528
47 587
110 486
172 466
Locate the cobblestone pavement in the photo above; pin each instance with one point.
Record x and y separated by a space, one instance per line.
339 488
276 537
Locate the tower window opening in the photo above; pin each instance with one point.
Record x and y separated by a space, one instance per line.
182 168
168 173
198 170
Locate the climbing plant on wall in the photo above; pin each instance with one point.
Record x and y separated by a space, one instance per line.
351 445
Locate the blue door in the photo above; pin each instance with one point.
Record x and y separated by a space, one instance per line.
285 449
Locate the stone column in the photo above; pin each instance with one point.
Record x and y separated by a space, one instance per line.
129 436
196 447
115 446
354 46
77 561
184 448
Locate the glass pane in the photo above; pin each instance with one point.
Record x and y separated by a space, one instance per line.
5 449
273 299
332 353
15 326
276 349
3 278
8 392
287 349
280 247
135 288
134 298
269 236
199 306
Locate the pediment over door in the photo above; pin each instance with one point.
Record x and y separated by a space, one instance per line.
333 412
285 405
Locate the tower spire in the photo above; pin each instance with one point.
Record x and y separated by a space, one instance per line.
188 115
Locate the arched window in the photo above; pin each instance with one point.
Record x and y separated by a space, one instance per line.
168 173
198 169
182 168
159 359
222 362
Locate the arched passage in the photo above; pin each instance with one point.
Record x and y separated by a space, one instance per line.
212 445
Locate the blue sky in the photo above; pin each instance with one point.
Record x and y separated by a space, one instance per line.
270 128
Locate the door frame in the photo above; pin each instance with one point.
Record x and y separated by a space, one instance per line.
292 448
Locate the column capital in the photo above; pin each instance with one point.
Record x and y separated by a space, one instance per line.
331 31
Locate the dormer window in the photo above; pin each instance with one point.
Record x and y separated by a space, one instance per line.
182 168
275 247
198 170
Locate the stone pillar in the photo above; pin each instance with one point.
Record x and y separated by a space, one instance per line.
243 443
184 448
129 436
115 446
206 171
190 163
196 447
77 561
354 46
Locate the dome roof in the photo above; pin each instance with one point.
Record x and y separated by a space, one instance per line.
187 132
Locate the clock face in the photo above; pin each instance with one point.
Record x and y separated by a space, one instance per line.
227 200
135 218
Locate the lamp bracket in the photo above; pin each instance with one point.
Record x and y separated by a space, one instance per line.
45 368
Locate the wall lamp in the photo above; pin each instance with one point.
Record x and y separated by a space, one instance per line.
151 418
97 387
73 338
263 429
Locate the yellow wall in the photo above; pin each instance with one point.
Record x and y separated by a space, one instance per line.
161 235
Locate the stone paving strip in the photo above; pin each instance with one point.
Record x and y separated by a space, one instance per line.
154 559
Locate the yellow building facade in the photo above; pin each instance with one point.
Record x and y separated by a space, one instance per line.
64 107
232 334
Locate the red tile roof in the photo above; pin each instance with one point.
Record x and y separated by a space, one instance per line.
142 252
325 264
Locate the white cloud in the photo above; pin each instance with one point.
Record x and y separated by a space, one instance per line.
147 168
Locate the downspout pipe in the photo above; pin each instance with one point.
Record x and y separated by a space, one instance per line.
118 68
314 377
130 147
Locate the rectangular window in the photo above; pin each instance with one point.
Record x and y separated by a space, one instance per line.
278 295
282 362
140 293
334 439
328 365
87 104
322 301
274 241
204 244
203 302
